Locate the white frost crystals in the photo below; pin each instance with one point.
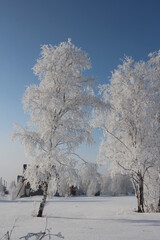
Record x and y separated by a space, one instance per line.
59 114
59 108
131 126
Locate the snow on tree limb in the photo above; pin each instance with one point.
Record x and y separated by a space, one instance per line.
130 125
59 109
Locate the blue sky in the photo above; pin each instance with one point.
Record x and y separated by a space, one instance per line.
105 29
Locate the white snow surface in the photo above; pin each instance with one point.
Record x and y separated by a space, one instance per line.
80 218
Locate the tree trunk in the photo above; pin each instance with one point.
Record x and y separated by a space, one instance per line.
42 204
140 193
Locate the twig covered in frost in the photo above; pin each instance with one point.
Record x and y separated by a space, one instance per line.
41 235
7 235
37 236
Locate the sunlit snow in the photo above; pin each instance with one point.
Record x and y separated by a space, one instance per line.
81 218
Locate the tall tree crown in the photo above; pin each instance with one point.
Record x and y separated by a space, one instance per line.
58 108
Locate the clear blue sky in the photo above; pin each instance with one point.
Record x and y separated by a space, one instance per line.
105 29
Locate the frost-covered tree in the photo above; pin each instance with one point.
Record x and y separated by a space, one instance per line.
121 185
106 185
90 179
115 185
63 184
13 190
58 108
1 187
131 123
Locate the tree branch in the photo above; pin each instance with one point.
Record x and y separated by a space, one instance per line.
118 139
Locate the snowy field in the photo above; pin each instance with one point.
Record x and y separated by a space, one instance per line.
81 218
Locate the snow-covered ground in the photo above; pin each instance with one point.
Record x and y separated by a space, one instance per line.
81 218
